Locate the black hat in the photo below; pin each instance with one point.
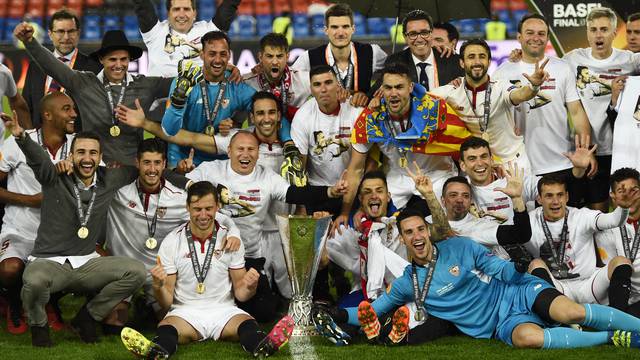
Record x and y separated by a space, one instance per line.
116 40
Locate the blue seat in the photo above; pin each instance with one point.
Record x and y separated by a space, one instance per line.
264 24
244 26
504 15
317 25
300 24
518 14
206 10
111 22
468 27
9 25
360 23
377 26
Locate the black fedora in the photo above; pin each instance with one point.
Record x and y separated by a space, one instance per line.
116 40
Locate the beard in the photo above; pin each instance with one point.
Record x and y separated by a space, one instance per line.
476 78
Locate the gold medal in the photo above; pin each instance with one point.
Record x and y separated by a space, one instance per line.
419 316
200 288
403 162
83 232
114 131
485 136
210 130
151 243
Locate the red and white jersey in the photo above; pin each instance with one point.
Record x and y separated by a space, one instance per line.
127 228
298 92
580 250
167 47
495 204
610 244
469 103
21 219
544 120
176 259
245 198
324 139
594 87
270 157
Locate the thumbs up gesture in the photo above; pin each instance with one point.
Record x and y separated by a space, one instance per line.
158 274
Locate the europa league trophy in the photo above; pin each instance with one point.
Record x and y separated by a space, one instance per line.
303 239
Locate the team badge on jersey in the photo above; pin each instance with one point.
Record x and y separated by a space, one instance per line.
162 211
131 204
454 270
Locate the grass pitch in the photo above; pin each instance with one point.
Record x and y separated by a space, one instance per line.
68 346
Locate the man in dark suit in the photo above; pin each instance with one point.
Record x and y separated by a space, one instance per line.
428 67
64 31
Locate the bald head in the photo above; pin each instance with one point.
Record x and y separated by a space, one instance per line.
58 113
243 152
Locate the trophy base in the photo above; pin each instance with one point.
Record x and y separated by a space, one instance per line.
300 311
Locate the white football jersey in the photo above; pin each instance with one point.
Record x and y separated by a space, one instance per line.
324 139
580 249
245 198
543 120
129 215
594 87
270 157
176 259
495 204
167 47
21 219
298 93
469 104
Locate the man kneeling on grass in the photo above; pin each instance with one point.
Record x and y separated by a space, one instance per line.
460 281
201 302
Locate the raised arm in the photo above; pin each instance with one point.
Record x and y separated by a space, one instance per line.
45 58
136 118
37 158
441 229
245 283
225 14
537 78
146 13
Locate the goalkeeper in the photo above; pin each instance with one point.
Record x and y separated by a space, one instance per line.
204 101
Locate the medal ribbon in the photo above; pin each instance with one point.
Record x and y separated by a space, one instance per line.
107 88
558 254
630 251
40 136
421 296
84 216
484 124
151 227
212 114
201 273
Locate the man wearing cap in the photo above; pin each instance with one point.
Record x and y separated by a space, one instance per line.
98 95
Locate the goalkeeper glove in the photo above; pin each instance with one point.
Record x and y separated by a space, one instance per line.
291 168
189 74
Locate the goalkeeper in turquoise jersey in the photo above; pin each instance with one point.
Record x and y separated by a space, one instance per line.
204 101
486 297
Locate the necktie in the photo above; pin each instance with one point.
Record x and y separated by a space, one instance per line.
55 86
423 79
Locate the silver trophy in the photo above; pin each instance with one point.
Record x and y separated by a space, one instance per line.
303 239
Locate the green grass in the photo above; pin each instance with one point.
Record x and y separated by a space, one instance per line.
68 346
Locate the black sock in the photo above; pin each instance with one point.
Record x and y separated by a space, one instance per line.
634 309
543 274
248 334
167 338
620 287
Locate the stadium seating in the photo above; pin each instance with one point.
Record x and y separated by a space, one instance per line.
254 20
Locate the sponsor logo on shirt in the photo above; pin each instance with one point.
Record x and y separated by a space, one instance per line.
445 289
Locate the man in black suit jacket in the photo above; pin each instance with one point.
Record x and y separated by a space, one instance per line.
64 31
417 26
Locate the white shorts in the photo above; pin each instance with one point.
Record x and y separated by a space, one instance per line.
275 266
209 321
592 290
14 245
